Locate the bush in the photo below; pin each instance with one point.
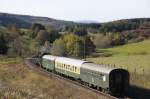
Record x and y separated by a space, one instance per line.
136 40
101 41
58 48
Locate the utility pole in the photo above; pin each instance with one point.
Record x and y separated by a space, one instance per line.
84 51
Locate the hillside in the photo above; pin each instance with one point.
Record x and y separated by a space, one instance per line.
6 20
140 48
131 56
25 21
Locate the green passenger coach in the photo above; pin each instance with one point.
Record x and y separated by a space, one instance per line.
94 74
112 80
68 67
48 62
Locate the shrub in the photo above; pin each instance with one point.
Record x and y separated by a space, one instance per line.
101 41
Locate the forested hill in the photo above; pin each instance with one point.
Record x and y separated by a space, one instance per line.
25 21
125 24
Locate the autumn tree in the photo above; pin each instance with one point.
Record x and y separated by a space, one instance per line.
42 36
116 38
101 41
35 28
14 32
34 47
19 47
46 48
58 48
73 45
53 34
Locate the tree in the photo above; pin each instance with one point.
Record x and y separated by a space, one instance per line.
14 32
88 44
58 48
101 41
117 38
78 49
19 47
42 36
3 44
80 32
34 47
53 34
13 29
73 45
35 28
46 48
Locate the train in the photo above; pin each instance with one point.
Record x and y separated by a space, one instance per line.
114 81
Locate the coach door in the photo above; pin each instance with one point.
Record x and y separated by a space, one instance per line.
119 82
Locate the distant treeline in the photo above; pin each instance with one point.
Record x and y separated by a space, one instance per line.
115 26
24 21
40 39
72 40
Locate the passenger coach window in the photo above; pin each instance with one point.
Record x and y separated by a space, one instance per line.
61 65
64 66
75 69
70 68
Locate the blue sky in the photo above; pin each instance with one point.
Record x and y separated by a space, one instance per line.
75 10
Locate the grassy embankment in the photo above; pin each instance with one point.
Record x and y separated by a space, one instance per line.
17 81
134 57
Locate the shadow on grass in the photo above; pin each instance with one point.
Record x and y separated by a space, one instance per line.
101 53
138 92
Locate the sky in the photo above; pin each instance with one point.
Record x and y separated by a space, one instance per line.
76 10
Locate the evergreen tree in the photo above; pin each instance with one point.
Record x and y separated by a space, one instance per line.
3 44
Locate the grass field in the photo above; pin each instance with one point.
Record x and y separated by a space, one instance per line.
17 81
134 57
135 63
130 56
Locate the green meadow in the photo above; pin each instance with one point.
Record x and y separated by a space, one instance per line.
134 57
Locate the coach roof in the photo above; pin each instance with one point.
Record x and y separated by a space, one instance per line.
99 68
70 61
49 57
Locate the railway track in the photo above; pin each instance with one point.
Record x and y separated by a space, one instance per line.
58 77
